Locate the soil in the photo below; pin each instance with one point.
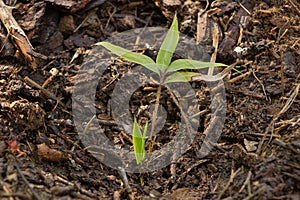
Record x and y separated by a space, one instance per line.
257 156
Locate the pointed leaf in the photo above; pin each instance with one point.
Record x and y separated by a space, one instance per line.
131 56
138 143
180 77
144 138
145 130
191 64
169 44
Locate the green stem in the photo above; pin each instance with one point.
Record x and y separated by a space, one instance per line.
154 116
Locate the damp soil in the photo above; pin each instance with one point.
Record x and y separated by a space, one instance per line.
42 153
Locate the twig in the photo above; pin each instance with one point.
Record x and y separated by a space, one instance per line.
7 190
294 5
247 11
111 18
216 77
262 85
246 182
282 72
35 195
205 9
270 127
84 20
82 190
190 168
294 121
54 73
154 116
4 42
232 175
262 135
189 131
51 95
88 124
297 178
255 193
138 38
136 18
15 195
237 78
285 145
215 44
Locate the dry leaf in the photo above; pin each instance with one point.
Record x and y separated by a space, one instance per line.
250 145
14 147
52 155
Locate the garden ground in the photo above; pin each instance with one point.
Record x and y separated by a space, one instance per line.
257 155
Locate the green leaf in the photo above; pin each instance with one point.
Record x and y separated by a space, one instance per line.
169 44
145 131
236 69
191 64
144 138
131 56
139 142
180 77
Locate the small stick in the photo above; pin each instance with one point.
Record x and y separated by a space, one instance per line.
295 6
54 73
232 175
255 193
35 195
191 168
4 42
246 182
263 135
216 77
82 190
262 85
51 95
235 79
215 44
270 127
205 9
242 6
282 72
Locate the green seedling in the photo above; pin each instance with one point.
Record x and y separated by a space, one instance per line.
168 72
139 141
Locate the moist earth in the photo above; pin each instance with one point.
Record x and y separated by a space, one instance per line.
42 155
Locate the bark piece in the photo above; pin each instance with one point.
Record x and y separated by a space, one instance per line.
71 6
49 154
231 37
18 36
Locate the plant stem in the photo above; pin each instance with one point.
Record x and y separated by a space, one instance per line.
154 116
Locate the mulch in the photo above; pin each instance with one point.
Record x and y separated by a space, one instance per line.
45 43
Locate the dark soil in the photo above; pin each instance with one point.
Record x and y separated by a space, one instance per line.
257 155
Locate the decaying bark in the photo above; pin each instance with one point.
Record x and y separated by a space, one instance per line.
18 36
234 31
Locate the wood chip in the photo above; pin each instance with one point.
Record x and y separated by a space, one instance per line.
49 154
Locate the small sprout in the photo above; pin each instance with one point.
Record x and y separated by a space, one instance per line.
139 141
168 72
